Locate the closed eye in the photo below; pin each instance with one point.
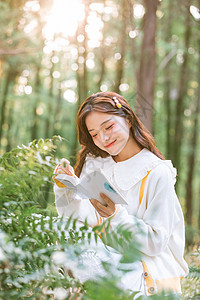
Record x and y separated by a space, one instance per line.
109 127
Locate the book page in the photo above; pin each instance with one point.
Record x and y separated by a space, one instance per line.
73 183
67 180
96 183
91 185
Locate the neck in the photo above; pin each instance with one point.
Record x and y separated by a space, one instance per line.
131 149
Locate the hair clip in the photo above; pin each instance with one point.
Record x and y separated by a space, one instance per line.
117 103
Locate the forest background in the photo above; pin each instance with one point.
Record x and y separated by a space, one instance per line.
53 54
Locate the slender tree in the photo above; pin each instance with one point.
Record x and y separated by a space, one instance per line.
192 156
167 71
48 129
81 76
8 78
57 109
85 54
132 43
147 68
199 213
34 130
10 123
182 91
122 45
49 104
102 64
102 57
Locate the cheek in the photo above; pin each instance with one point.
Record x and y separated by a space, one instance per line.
116 128
124 128
119 128
96 141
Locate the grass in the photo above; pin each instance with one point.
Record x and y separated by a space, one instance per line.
191 286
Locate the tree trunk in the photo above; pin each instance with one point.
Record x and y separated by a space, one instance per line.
85 71
199 211
102 58
122 50
181 95
82 81
147 69
168 82
75 139
34 131
78 104
57 110
48 132
192 156
4 99
10 121
132 40
50 99
122 40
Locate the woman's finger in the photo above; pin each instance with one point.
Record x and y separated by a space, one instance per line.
56 169
61 170
105 214
64 162
104 211
66 165
96 203
108 201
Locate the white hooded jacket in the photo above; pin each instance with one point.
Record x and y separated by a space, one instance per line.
147 183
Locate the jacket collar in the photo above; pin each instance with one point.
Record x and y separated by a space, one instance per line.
129 172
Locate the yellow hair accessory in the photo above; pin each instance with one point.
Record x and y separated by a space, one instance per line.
117 103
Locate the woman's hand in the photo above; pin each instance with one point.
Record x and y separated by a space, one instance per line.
64 168
104 210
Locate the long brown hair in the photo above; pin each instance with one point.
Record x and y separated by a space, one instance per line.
104 102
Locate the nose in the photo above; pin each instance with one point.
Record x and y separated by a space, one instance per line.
104 136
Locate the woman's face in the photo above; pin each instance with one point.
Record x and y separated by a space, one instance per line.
109 132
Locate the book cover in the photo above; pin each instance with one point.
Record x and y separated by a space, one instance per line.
91 185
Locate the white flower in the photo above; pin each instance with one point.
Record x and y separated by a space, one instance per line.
37 215
60 293
58 257
39 158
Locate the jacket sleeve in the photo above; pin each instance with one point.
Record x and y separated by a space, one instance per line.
154 229
68 203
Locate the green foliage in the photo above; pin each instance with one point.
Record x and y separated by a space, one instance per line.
195 270
25 171
29 58
42 256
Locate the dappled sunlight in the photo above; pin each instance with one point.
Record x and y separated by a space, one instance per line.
63 18
53 55
62 23
138 11
195 12
70 96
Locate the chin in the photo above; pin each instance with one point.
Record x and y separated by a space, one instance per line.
115 152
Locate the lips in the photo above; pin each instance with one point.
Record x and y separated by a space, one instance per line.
111 144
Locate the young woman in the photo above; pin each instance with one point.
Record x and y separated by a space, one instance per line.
115 140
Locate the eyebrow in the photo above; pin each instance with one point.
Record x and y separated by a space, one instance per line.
102 124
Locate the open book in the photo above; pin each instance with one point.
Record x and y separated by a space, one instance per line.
91 185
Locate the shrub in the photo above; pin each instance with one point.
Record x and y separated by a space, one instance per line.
42 256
